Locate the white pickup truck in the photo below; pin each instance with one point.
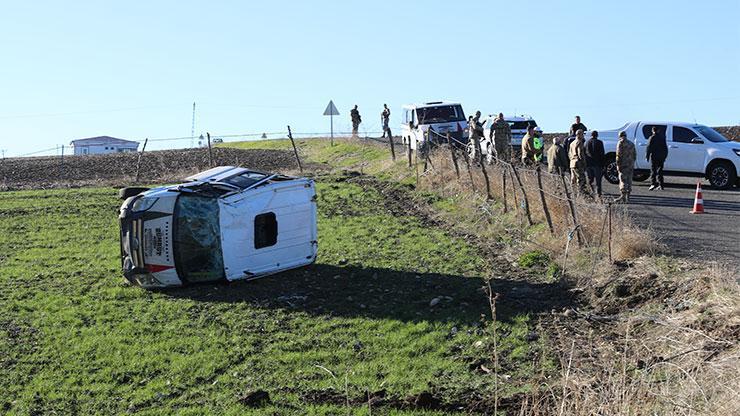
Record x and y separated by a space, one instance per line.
693 150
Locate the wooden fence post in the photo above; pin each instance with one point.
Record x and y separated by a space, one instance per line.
138 162
210 150
543 201
513 188
470 173
61 164
503 187
416 162
408 151
524 195
572 211
609 213
295 150
390 140
454 158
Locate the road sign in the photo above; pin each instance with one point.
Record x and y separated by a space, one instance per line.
331 111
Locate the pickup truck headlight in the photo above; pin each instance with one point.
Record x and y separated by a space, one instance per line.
737 151
143 204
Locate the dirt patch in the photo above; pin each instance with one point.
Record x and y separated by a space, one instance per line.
120 168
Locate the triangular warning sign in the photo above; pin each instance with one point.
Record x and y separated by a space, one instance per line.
331 109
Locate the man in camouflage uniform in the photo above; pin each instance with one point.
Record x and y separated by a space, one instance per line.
476 133
356 120
501 138
626 155
577 155
385 116
528 150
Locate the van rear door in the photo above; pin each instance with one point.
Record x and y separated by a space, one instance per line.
274 230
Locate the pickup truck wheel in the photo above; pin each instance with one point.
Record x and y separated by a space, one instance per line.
640 175
610 172
721 175
129 191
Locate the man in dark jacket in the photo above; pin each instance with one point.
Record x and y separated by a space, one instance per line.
577 126
656 153
595 161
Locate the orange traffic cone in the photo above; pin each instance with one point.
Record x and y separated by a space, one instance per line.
698 200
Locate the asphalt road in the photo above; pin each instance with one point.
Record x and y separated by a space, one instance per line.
713 236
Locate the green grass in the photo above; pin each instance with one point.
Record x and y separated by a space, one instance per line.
75 338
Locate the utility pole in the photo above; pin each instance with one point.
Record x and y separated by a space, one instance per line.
192 127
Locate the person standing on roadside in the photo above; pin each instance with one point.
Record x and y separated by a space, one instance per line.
385 116
626 155
476 133
528 150
577 126
557 158
501 137
594 161
656 153
577 155
354 114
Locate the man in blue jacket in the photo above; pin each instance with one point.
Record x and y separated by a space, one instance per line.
656 153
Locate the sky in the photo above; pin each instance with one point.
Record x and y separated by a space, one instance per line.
133 69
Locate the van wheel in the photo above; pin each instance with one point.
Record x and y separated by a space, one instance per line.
610 172
721 175
129 191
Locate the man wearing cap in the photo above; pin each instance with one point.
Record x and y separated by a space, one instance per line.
501 137
626 155
577 155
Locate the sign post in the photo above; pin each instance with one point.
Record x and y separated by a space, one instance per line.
331 111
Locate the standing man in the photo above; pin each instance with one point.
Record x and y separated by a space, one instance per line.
356 120
594 161
528 150
385 116
656 153
476 133
626 155
577 126
577 154
557 158
501 137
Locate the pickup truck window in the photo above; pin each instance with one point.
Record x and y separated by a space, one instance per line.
683 135
521 125
246 179
711 134
647 130
197 239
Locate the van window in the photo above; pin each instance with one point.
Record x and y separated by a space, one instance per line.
440 114
683 135
265 230
522 125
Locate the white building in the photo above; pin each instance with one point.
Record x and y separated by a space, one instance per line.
103 144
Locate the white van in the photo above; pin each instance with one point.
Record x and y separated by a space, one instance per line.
224 224
441 116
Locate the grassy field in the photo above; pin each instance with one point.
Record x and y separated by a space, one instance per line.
75 338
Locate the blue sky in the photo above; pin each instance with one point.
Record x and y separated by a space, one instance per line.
133 69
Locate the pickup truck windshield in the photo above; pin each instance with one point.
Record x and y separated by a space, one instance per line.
440 114
197 239
711 134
